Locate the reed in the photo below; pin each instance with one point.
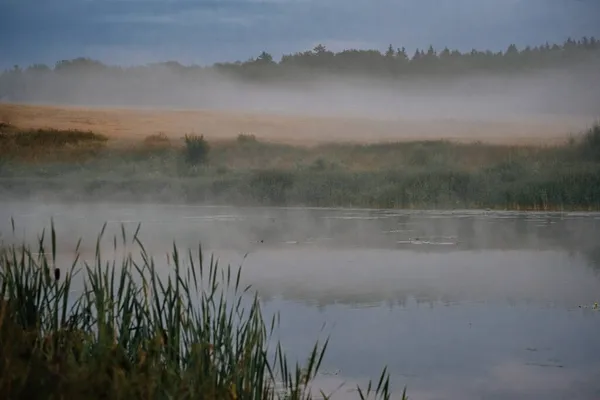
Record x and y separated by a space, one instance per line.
185 331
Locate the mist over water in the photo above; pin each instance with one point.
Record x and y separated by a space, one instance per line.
458 304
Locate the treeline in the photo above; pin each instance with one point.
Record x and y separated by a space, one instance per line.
395 62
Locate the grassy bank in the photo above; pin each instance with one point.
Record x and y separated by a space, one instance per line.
192 333
434 174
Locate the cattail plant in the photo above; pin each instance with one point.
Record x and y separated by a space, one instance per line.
130 333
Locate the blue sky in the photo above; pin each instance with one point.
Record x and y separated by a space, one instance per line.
130 32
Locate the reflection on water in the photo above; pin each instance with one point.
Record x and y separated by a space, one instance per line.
463 305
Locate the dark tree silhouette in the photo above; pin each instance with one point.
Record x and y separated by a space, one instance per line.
17 84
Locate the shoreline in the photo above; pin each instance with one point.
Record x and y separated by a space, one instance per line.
65 165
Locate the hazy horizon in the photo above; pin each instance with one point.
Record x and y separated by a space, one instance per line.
486 96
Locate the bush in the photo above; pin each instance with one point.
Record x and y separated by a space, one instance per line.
157 140
196 149
246 138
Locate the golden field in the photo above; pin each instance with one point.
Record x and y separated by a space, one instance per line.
127 124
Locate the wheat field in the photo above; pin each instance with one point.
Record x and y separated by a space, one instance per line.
128 124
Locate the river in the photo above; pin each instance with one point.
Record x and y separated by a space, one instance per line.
457 304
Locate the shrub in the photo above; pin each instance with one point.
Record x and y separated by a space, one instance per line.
196 149
157 140
246 138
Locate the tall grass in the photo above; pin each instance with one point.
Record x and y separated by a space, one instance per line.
47 137
48 144
247 171
590 145
192 334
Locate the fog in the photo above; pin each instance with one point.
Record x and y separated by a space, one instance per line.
343 255
561 92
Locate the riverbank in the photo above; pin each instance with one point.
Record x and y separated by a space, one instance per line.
76 165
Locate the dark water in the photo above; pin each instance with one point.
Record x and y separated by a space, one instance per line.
458 305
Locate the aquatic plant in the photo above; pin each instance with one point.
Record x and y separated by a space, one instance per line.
194 332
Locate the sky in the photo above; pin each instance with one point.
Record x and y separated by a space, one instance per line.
133 32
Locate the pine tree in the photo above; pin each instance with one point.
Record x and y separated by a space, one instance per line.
390 52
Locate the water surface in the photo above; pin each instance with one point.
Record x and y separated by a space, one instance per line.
463 304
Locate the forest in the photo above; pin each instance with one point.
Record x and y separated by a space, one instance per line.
21 83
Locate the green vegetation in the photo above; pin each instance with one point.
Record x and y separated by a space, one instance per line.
247 171
590 145
157 141
22 84
132 334
47 143
48 138
196 149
